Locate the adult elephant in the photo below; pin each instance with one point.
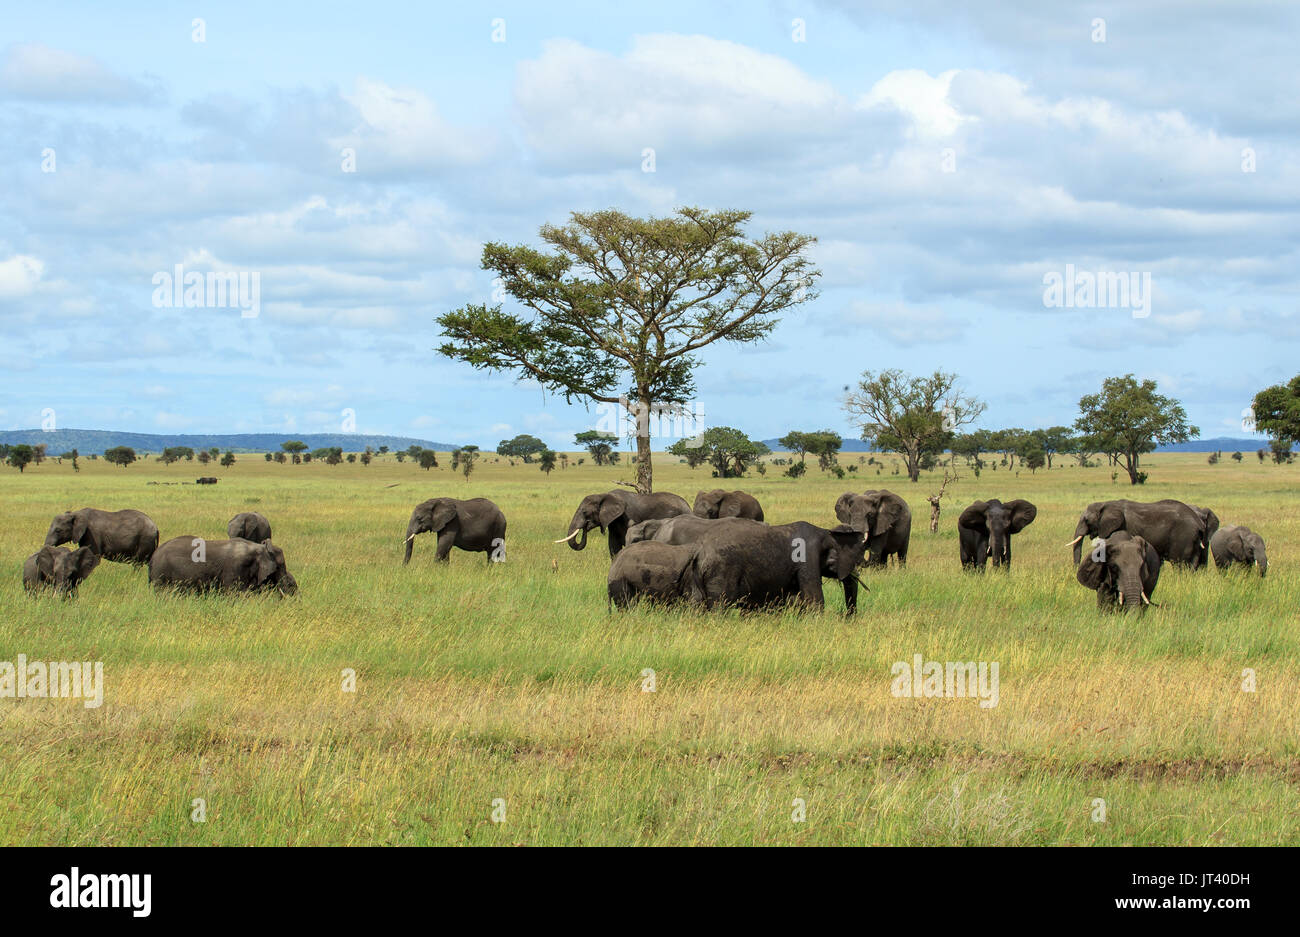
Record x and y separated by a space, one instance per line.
884 518
1173 528
1122 568
58 568
750 565
720 503
475 525
121 536
984 530
1209 525
249 526
615 511
193 564
1236 544
650 570
679 530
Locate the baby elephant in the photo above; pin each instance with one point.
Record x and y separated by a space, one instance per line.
1121 568
652 570
249 526
58 568
1233 544
197 565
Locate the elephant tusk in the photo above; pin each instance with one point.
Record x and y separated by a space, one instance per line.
409 539
1121 597
568 538
1076 540
1145 600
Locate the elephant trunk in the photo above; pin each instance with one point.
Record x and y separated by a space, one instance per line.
411 530
577 538
1080 532
998 546
1130 587
1261 563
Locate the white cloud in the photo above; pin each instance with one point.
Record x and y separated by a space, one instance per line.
37 72
19 275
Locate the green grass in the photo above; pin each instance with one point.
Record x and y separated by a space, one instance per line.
477 682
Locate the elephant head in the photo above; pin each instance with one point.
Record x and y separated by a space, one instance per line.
646 530
595 511
433 515
842 553
873 512
998 521
1099 519
1121 567
66 568
270 570
67 527
1254 546
707 503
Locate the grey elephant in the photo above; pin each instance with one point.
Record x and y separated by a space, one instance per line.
719 503
984 530
679 530
59 568
886 520
1122 568
650 570
750 565
121 536
1237 544
615 511
1175 529
193 564
249 526
475 525
206 480
1209 524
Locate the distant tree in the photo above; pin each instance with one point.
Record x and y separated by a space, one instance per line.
295 448
414 451
352 457
401 455
1262 453
796 469
38 453
1277 412
466 456
1281 449
1130 418
1236 457
172 454
730 451
521 447
120 455
366 457
598 443
205 457
334 455
228 459
564 460
269 457
911 415
695 456
795 441
1213 458
1053 440
72 454
383 450
306 458
214 452
1034 458
548 461
20 457
428 459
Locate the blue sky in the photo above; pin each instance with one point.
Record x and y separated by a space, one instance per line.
946 160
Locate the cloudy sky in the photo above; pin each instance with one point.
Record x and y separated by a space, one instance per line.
947 160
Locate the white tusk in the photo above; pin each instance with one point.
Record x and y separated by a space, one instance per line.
568 538
1076 540
1121 597
409 539
1144 597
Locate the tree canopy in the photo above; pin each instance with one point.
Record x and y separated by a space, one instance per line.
1130 418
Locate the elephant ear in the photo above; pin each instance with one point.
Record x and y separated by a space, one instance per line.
1152 562
891 511
973 516
611 509
850 546
45 561
1022 514
81 532
1092 573
84 561
842 506
444 513
1109 520
264 564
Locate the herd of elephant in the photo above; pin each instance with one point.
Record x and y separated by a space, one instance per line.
722 552
247 561
719 552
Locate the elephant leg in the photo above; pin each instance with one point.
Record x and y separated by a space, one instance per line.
850 595
446 540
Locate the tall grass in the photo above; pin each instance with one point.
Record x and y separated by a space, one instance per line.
477 682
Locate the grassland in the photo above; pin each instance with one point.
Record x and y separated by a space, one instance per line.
512 681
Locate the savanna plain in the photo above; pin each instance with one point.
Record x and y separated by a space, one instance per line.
510 688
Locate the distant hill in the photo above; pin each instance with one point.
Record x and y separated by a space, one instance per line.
88 441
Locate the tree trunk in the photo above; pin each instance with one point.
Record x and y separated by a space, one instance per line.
934 514
644 469
914 464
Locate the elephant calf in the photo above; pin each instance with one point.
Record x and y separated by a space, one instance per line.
197 565
476 526
1235 544
121 536
719 503
249 526
650 570
1121 568
59 568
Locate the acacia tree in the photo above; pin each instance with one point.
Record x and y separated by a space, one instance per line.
915 416
1129 419
1277 412
619 311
